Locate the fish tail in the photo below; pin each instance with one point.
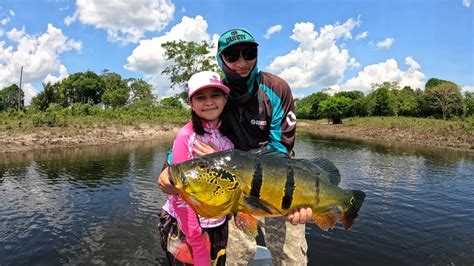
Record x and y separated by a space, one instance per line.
349 214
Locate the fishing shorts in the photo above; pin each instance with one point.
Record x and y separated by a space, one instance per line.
286 242
178 251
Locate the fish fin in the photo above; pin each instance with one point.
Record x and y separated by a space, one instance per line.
330 169
349 215
247 223
199 207
326 220
258 206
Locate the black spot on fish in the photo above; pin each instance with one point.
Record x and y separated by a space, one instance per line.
289 189
257 180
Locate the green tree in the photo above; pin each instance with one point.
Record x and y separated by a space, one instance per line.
445 97
51 94
81 87
382 101
335 108
308 107
116 92
469 103
407 102
170 102
141 93
12 97
187 58
357 98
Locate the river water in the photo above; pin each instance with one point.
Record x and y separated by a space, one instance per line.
99 205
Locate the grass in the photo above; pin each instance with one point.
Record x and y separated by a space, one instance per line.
421 125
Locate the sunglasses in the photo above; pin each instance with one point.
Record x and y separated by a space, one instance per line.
233 55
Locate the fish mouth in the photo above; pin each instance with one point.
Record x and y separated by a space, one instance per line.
175 177
179 180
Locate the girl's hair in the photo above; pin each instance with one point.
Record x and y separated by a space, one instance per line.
197 123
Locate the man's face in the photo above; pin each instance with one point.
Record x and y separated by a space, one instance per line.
240 58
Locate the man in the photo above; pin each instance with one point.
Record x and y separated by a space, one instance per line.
259 116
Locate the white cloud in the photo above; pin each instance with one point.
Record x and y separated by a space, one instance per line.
29 91
272 30
386 71
148 57
5 21
11 13
317 61
467 89
63 73
362 35
387 43
124 21
38 55
466 3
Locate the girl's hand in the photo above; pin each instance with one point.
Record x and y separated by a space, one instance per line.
164 183
202 148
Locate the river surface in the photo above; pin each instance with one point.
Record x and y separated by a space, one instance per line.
99 205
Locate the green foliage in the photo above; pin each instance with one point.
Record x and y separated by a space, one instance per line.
11 97
80 87
187 59
336 108
469 103
84 109
434 82
308 107
52 93
359 106
170 102
141 93
382 101
116 90
407 102
446 97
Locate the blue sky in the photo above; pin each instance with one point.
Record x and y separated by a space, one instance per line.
314 45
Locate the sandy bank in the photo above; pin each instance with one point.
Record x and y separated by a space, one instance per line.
63 137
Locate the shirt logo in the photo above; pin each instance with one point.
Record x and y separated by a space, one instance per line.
258 122
291 118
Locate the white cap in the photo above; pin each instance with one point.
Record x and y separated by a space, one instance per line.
205 79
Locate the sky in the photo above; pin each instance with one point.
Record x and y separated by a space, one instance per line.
340 45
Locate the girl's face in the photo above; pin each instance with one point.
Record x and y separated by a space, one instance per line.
208 103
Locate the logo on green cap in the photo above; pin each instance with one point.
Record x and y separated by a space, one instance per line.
235 36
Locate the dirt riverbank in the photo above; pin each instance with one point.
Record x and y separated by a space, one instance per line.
63 137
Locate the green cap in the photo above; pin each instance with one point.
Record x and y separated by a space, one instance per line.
232 37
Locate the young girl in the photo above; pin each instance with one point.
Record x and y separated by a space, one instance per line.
206 238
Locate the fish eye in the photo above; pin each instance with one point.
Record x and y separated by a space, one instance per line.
202 165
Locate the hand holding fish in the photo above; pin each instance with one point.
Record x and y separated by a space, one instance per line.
164 183
300 216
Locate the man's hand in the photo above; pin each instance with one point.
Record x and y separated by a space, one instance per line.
300 216
201 148
164 183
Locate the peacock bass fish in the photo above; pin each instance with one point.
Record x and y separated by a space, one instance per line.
248 185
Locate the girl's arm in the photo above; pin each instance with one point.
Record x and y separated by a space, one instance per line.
189 225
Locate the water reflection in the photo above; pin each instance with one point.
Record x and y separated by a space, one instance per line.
99 205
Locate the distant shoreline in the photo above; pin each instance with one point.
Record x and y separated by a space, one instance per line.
44 138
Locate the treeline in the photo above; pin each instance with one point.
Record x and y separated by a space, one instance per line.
439 99
109 90
87 97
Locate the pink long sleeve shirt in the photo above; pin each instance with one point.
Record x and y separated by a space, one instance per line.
189 222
